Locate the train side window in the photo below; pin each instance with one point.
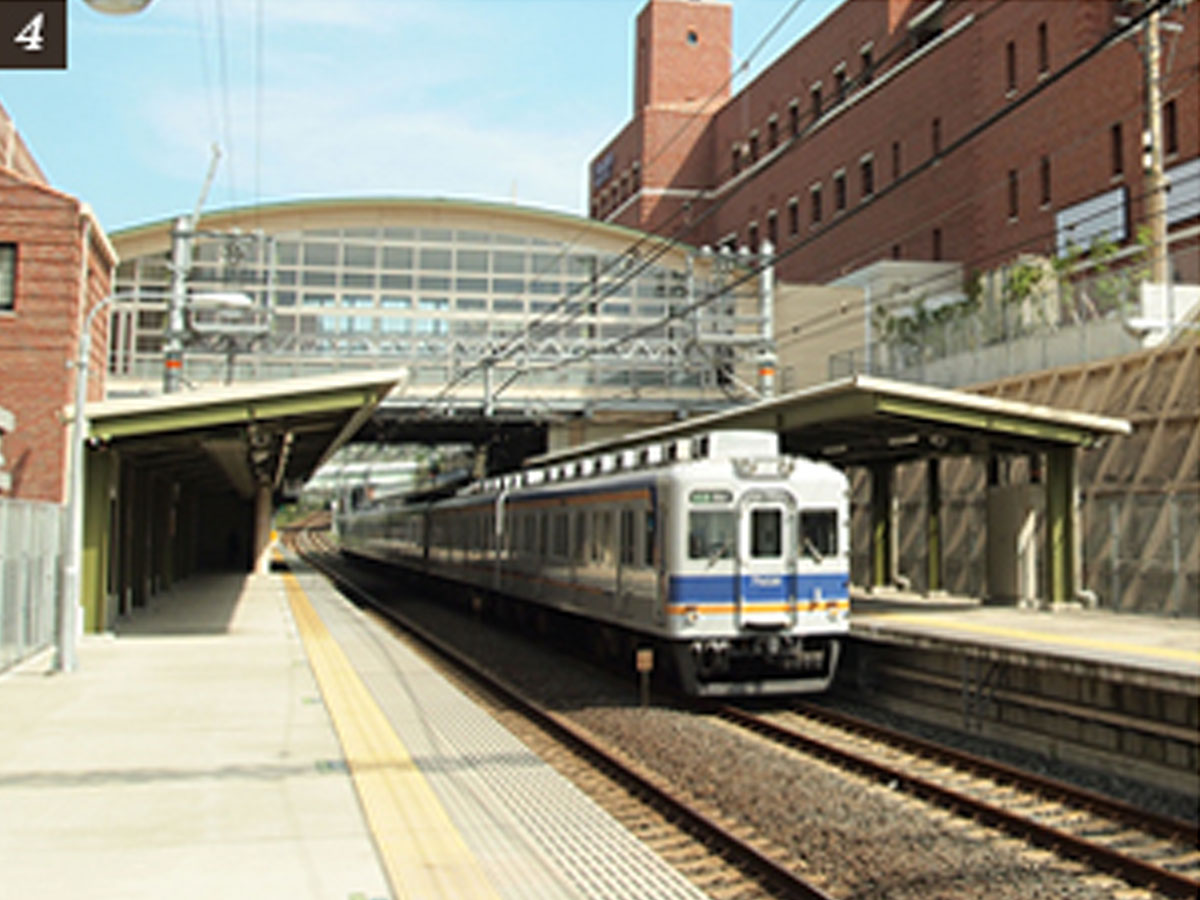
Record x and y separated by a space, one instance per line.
602 537
818 533
711 535
560 537
627 540
766 533
581 535
649 537
543 535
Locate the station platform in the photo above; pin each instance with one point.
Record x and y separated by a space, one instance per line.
258 736
1150 651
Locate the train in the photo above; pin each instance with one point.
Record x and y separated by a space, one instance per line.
725 558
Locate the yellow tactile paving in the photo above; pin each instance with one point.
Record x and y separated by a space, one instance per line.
423 852
1186 656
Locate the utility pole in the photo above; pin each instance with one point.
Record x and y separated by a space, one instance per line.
182 236
1156 186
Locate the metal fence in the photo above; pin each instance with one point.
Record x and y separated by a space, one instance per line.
31 543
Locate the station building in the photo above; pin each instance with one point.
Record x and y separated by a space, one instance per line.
968 131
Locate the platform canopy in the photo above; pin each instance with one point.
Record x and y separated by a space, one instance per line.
241 437
864 420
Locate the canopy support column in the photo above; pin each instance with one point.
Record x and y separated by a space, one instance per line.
1061 526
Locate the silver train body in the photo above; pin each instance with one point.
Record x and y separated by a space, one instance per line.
730 560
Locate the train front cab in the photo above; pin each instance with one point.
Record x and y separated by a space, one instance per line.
761 594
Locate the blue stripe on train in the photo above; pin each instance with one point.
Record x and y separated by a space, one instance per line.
697 590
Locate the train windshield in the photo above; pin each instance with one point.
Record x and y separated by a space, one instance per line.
818 533
766 533
711 534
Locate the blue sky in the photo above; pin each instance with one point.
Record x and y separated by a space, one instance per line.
483 99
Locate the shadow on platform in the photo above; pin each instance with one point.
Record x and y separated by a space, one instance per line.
202 604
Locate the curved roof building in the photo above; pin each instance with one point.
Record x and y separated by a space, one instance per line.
484 303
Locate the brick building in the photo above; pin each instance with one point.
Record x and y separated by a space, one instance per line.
56 263
959 130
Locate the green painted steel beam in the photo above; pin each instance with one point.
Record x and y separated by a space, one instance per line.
223 413
1060 524
931 412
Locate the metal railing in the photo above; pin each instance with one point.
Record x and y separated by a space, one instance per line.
31 546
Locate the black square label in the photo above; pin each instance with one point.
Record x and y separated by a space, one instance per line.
33 34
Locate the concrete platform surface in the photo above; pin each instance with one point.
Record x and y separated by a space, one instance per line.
189 756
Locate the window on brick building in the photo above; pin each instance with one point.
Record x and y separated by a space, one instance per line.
839 190
1044 170
867 56
815 94
1010 67
935 136
793 216
1116 150
754 147
815 212
637 176
772 134
794 115
895 159
937 244
752 237
8 276
895 251
1043 44
866 170
1170 127
1014 194
773 228
927 24
839 83
735 162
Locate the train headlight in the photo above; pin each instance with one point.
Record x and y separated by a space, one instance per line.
692 615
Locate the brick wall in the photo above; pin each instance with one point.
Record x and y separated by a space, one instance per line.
981 203
40 334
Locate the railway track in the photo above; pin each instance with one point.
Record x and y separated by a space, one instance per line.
1152 852
720 858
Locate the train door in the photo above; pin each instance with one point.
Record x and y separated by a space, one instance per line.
766 565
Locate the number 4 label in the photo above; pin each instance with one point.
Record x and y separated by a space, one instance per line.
31 36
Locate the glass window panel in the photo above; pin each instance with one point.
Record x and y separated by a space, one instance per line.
397 257
472 260
472 303
711 535
285 298
285 276
318 278
320 254
363 324
287 253
508 285
818 533
395 325
399 234
546 287
511 239
541 306
358 257
396 282
395 301
362 232
473 237
433 303
435 259
434 282
358 280
471 284
508 306
766 533
508 261
547 264
437 235
358 301
314 299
